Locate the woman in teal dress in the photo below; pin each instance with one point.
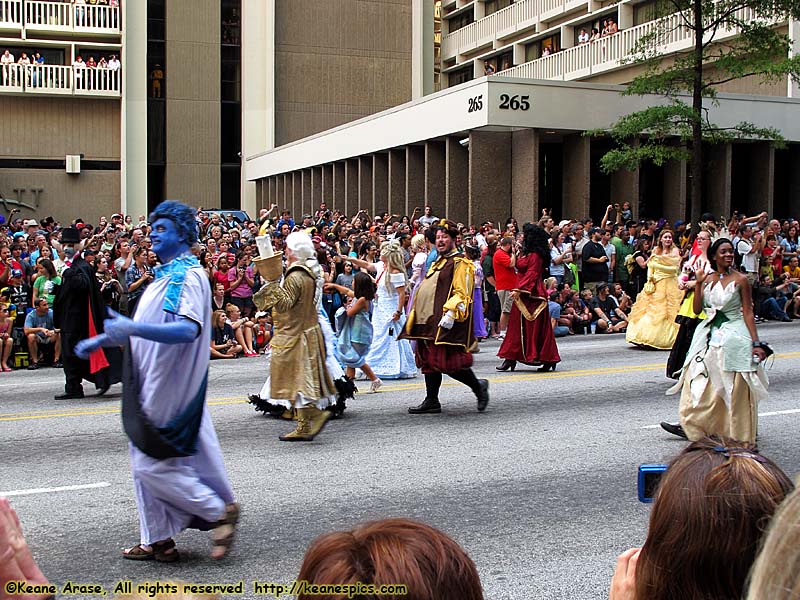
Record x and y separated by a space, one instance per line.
723 378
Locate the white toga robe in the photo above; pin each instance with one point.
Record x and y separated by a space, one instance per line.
171 492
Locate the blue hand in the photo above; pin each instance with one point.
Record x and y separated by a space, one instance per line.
118 328
85 347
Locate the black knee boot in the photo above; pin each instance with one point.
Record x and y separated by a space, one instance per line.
433 381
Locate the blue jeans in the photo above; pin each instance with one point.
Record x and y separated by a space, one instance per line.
771 309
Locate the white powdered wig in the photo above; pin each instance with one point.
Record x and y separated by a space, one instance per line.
301 245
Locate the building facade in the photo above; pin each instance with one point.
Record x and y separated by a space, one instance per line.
520 84
81 137
311 65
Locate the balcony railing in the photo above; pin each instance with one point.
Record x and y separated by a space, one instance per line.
606 53
60 17
10 14
516 17
60 80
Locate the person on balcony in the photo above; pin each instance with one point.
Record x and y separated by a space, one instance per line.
583 37
113 63
78 67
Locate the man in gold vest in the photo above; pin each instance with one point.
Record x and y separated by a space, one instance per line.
441 322
299 378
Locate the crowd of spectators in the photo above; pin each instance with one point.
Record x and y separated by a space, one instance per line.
597 268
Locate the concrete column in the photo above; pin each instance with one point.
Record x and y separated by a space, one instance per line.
794 35
415 179
719 160
435 181
305 197
316 190
258 201
380 182
133 143
280 194
297 192
327 183
625 19
258 76
457 172
365 184
576 176
422 48
761 192
351 186
489 176
625 186
337 200
525 174
675 191
269 190
397 180
288 189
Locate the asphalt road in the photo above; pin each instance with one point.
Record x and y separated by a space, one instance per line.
540 489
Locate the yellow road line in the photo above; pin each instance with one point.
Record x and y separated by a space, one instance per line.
415 385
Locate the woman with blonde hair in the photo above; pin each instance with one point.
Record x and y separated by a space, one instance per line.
419 250
389 357
652 320
776 572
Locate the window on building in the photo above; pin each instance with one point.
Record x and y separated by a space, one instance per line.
651 10
543 47
460 75
493 6
461 20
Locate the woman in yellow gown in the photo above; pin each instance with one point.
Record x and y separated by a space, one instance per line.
652 319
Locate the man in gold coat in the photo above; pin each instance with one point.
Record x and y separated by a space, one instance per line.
299 378
441 322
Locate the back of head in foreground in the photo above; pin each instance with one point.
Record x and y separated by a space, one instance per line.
776 572
393 551
711 510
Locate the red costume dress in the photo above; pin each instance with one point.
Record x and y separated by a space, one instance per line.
526 341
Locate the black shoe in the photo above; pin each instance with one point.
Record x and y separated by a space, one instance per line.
507 364
58 365
547 367
102 390
483 395
33 366
428 407
69 396
674 429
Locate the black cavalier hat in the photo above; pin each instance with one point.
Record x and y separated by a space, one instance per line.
448 227
70 235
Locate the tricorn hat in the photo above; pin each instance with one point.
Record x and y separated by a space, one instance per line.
70 235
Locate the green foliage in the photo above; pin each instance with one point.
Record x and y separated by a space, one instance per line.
667 130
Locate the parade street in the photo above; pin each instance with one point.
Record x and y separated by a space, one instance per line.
540 489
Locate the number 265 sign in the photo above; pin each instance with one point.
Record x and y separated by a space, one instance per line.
515 102
507 102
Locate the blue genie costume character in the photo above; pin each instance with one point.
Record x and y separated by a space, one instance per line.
178 471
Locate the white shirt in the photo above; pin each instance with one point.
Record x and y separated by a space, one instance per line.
7 59
749 259
114 64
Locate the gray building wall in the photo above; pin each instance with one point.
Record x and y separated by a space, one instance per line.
336 62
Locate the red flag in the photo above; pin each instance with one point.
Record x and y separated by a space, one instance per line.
97 359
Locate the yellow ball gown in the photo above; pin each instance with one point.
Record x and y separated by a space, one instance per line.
652 319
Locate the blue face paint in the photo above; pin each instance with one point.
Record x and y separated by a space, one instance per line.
167 241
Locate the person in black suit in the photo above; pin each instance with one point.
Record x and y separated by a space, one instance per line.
78 312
